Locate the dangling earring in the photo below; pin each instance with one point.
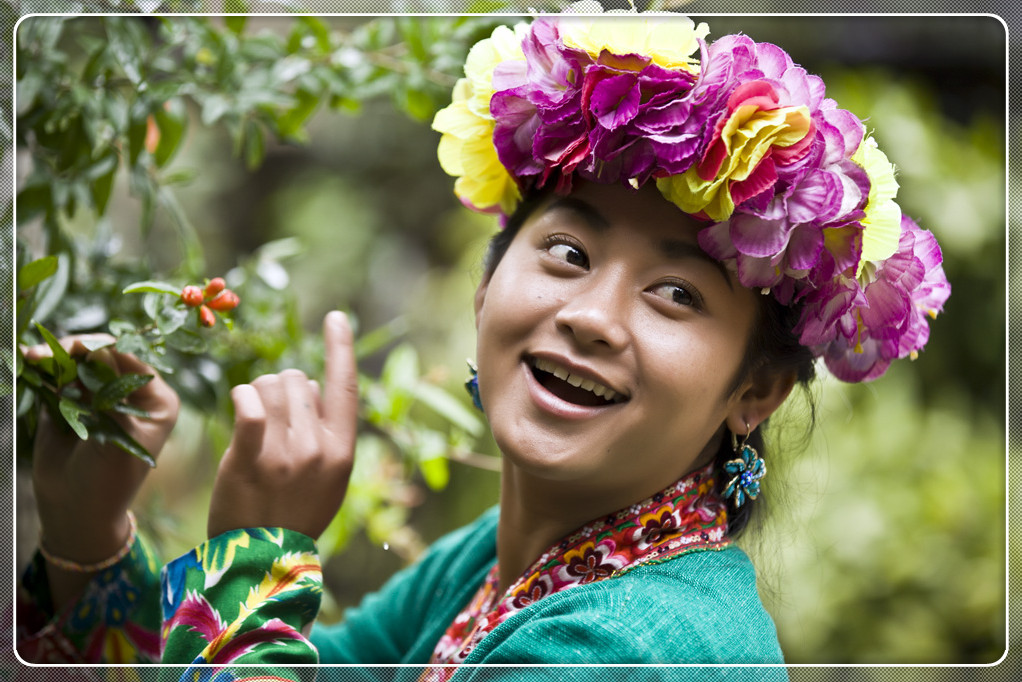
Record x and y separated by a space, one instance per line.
746 470
472 385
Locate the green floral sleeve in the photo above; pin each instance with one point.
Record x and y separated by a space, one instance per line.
115 620
246 596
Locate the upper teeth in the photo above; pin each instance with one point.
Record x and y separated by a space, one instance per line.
574 380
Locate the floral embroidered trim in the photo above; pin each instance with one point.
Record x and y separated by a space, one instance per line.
685 517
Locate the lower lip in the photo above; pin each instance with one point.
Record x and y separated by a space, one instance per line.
551 404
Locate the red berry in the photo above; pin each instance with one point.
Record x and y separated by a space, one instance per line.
215 286
206 317
226 300
191 296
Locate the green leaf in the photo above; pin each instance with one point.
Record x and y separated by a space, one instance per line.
235 24
431 452
30 376
130 410
170 319
103 185
119 389
119 327
291 123
187 341
51 291
137 129
180 176
26 399
171 119
418 104
72 412
448 407
32 273
97 342
94 375
384 335
132 343
33 200
435 472
152 287
109 431
255 146
214 108
65 368
401 369
151 304
28 88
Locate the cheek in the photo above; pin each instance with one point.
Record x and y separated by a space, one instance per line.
692 371
515 302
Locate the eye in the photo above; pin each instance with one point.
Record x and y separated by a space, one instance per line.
563 249
678 293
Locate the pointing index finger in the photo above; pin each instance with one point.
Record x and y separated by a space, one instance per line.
340 390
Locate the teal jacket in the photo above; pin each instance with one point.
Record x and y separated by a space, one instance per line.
697 608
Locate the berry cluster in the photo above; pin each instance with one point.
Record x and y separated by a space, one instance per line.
215 296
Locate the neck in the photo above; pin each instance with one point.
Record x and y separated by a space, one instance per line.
536 513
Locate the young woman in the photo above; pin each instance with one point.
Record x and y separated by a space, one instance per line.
682 236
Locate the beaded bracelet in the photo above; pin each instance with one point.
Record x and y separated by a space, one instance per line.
74 566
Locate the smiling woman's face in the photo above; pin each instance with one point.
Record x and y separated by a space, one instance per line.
606 294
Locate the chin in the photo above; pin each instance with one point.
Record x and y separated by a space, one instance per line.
554 459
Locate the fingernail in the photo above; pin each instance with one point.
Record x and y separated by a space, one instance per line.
337 319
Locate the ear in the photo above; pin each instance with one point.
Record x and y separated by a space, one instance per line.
758 399
480 297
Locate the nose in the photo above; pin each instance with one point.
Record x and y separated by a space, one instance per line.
595 314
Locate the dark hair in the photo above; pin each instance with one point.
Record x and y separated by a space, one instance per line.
773 348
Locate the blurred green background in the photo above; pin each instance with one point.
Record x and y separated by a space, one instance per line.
886 537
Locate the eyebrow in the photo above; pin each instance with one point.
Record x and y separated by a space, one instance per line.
679 250
585 210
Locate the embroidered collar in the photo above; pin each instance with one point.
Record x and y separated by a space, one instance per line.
687 516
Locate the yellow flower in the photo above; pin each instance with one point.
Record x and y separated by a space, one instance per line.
466 148
503 45
882 223
669 42
747 136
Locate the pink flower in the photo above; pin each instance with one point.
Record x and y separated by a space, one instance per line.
784 204
860 327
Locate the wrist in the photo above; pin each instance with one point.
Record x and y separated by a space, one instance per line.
87 544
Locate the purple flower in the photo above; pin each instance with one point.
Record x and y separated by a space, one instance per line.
795 213
859 328
607 118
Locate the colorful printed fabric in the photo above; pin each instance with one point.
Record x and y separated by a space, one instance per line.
116 620
688 516
246 596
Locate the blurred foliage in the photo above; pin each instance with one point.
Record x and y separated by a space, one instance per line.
888 544
893 526
99 98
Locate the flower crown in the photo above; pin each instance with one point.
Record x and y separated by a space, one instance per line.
798 200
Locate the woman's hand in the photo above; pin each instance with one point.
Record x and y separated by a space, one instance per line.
84 488
291 454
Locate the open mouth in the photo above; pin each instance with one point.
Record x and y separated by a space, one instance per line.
572 388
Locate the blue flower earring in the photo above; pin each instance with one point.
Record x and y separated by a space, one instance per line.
472 385
746 471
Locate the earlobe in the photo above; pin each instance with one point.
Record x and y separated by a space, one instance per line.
758 401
